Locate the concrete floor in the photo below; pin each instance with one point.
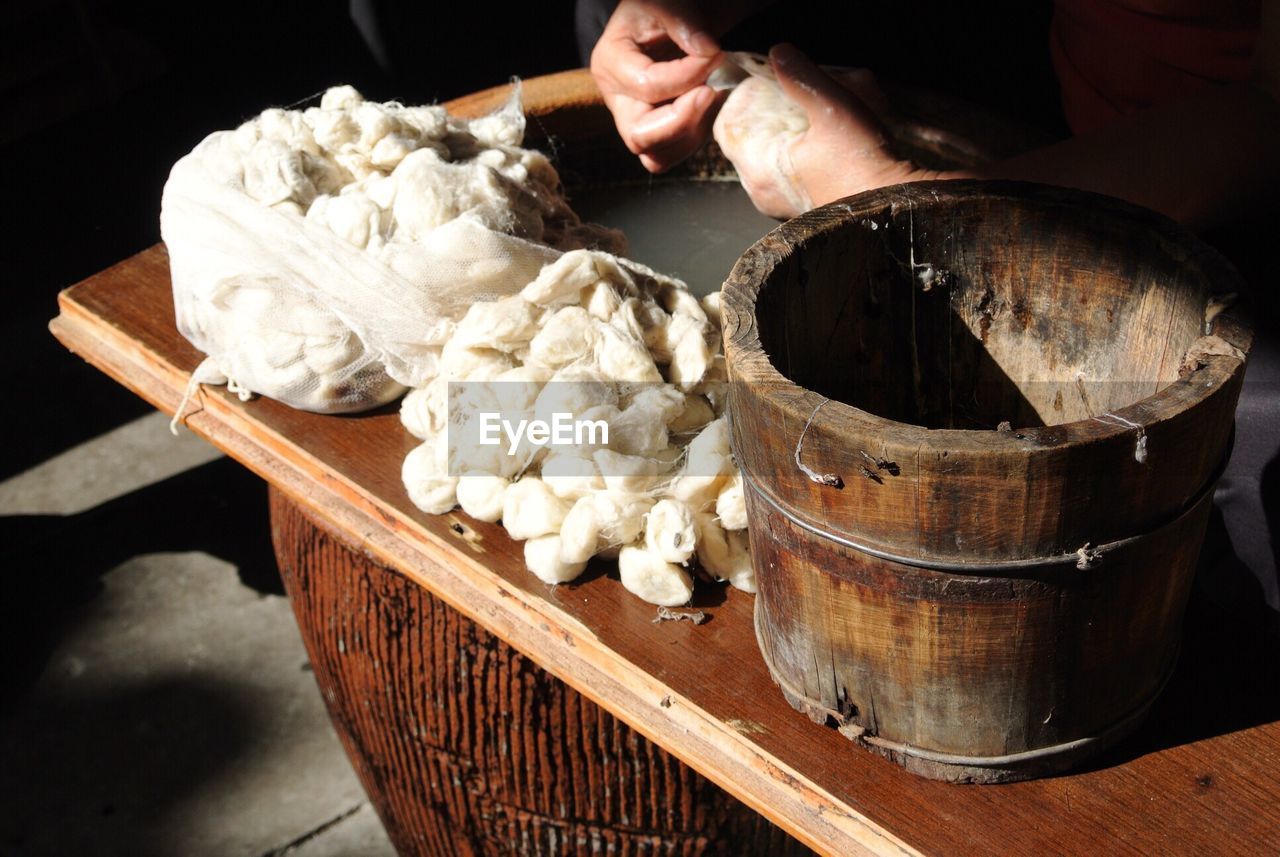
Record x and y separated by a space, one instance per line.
173 710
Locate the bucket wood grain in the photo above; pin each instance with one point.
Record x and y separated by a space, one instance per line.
980 424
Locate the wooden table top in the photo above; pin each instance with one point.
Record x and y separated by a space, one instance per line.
1201 776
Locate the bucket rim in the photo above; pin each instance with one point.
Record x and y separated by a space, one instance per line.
750 364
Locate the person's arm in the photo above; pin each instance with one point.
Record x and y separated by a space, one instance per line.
1198 160
651 65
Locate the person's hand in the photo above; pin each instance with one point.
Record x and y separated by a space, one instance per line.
845 149
651 65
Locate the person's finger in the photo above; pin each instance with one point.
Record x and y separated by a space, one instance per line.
662 158
827 103
639 76
676 120
639 52
653 165
627 112
689 30
667 133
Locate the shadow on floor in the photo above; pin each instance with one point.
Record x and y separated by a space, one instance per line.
124 761
218 508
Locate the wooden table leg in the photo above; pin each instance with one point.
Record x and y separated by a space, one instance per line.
465 746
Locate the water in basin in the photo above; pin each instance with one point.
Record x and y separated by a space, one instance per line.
694 230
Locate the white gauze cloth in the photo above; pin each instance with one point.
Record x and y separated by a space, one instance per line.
318 256
759 125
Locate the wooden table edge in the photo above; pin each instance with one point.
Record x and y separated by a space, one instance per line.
540 631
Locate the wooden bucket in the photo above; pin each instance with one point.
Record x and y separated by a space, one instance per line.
980 424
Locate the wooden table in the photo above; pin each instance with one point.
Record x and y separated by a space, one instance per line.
484 710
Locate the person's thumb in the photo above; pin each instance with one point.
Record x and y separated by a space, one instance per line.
827 103
688 28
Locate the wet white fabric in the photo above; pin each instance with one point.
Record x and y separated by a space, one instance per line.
756 128
759 125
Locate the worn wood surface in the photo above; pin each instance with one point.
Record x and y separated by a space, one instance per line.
910 357
467 746
1202 775
889 338
965 677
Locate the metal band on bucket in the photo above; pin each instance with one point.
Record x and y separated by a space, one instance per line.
998 568
1113 733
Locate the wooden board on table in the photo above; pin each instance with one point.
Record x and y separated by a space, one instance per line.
1202 775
